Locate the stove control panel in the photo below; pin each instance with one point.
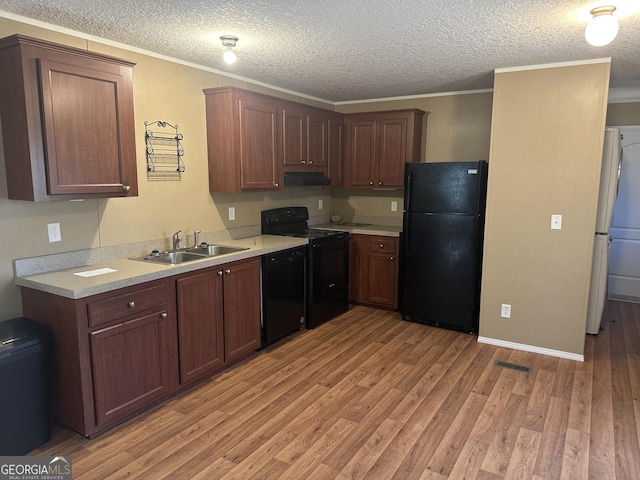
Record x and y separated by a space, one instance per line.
284 216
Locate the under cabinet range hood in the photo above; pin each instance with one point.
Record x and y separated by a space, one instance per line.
303 179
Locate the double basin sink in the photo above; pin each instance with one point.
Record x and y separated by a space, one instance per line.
175 257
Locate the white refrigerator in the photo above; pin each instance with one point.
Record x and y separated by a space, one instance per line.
609 177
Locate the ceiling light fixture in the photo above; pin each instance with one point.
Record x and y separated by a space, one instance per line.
229 42
602 28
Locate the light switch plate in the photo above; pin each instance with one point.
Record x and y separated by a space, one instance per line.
320 204
232 213
394 206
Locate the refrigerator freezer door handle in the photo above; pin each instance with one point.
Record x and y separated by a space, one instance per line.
407 209
407 228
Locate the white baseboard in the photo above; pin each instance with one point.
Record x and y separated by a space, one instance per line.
531 348
624 298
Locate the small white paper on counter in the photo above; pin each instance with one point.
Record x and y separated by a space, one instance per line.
93 273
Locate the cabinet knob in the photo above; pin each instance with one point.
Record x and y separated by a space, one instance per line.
310 162
304 161
379 183
163 315
276 184
227 271
381 245
131 304
220 272
370 183
126 188
392 258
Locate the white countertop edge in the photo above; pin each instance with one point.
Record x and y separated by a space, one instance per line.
133 272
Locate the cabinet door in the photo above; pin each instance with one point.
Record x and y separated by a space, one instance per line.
362 152
131 364
317 124
374 270
241 308
392 152
67 122
294 136
258 144
200 328
85 115
304 136
383 279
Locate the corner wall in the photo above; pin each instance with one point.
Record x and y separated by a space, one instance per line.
546 149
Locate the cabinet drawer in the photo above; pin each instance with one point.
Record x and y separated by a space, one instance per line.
383 245
123 305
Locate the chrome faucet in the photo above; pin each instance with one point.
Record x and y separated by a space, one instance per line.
196 238
176 240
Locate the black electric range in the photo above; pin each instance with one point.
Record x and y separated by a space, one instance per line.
327 278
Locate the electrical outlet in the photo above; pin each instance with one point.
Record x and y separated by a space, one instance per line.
232 213
320 204
505 311
53 230
556 222
394 206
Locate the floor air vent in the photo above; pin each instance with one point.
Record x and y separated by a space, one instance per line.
513 366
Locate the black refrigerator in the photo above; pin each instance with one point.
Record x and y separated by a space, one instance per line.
441 243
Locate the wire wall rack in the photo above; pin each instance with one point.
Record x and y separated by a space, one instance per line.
164 151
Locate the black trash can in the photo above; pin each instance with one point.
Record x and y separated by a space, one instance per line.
24 401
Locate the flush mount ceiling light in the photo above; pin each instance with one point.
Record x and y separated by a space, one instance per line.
602 28
229 42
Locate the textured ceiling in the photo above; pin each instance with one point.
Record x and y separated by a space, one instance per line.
346 50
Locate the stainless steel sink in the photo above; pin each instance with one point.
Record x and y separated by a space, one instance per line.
214 250
174 257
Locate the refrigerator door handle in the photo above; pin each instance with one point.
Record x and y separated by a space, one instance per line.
407 193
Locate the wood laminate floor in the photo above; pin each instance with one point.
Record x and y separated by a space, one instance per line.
370 396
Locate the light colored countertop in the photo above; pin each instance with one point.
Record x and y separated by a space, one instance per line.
67 283
363 228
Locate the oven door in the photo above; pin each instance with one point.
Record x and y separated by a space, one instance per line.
329 264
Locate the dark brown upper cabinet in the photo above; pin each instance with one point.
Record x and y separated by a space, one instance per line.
378 144
252 139
67 122
304 137
242 141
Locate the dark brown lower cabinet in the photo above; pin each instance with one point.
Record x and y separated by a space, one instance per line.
115 353
119 353
374 270
201 336
218 317
241 308
131 366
